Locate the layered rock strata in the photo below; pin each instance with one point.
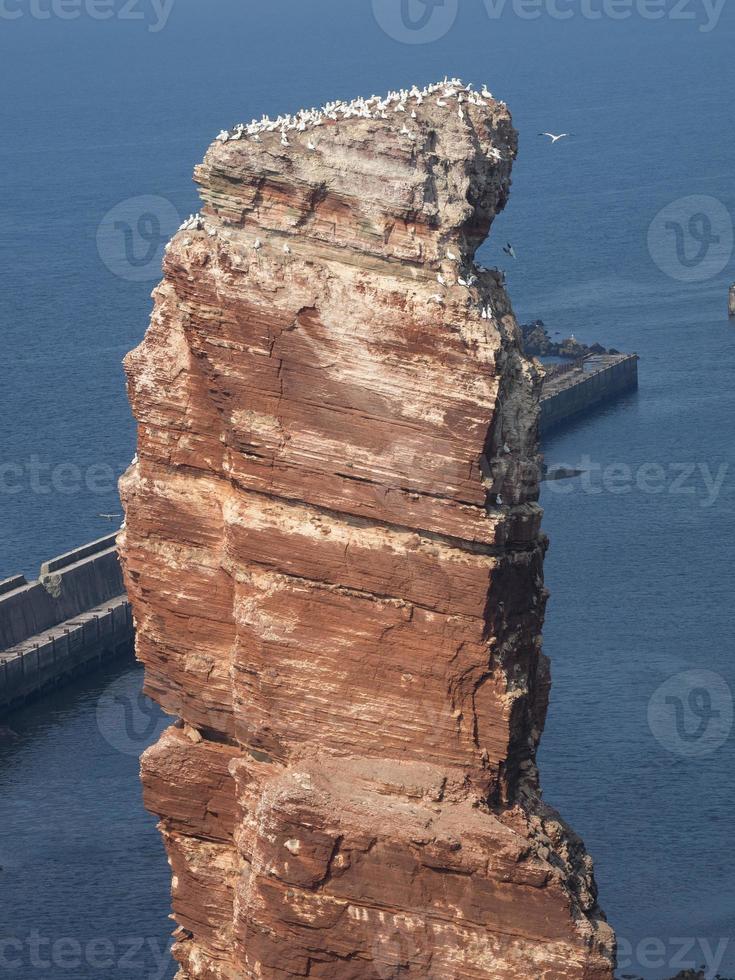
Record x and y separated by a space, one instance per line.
334 558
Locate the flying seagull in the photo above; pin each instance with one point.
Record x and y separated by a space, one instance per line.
509 250
110 517
555 139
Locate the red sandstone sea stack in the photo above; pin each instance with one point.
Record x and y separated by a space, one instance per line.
335 563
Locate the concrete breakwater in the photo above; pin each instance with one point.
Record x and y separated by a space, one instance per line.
572 389
75 615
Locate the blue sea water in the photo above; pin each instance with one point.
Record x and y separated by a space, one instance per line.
99 114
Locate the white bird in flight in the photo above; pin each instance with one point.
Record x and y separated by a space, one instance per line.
554 138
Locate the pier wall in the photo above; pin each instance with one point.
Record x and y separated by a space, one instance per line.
67 585
584 386
75 616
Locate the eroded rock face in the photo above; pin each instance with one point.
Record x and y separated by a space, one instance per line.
334 558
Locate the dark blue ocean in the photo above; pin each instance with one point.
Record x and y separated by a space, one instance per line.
624 235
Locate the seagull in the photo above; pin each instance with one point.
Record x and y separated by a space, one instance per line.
441 103
499 500
486 93
506 449
451 256
284 139
257 244
509 250
110 517
287 249
311 145
553 138
441 280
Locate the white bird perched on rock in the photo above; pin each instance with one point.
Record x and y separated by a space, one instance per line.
555 139
499 500
311 145
441 103
486 93
284 139
441 280
257 244
287 249
451 256
436 298
506 449
223 136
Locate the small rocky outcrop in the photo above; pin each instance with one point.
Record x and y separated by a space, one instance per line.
538 343
336 570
